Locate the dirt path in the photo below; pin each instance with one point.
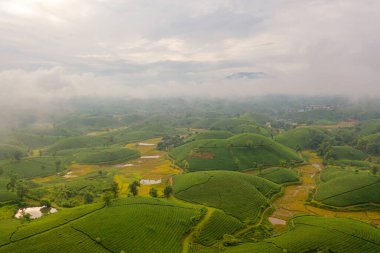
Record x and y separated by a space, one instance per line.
190 237
293 200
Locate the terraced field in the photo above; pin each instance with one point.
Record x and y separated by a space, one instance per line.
223 190
240 152
349 190
217 226
144 224
280 175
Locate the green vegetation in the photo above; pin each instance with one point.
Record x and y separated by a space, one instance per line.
370 144
211 135
315 234
11 151
280 175
106 156
345 153
34 166
302 138
239 152
341 188
217 226
223 190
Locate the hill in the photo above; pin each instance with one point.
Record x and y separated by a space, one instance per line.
241 195
316 234
280 175
341 188
302 137
211 135
370 144
239 152
345 153
110 155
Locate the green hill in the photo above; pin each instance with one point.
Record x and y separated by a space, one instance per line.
129 225
239 152
345 153
370 144
241 195
217 226
368 127
108 155
302 137
211 135
280 175
316 234
9 151
341 188
35 166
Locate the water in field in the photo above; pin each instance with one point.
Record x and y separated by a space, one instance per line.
276 221
35 212
150 181
150 156
146 144
124 165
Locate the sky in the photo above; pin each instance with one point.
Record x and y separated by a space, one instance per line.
54 49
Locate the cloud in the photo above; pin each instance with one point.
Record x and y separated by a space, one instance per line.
61 49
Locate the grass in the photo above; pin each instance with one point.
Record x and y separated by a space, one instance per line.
316 234
342 189
239 152
217 226
240 195
303 137
280 175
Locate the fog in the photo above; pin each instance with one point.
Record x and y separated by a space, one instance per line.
54 50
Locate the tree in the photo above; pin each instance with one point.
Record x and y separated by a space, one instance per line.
21 189
115 189
375 169
153 192
107 197
260 167
133 187
167 191
45 202
88 197
11 186
17 155
57 165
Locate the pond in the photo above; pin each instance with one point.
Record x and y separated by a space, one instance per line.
35 212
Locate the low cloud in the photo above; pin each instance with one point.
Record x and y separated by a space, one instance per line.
246 75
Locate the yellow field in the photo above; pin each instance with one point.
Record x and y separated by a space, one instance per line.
153 169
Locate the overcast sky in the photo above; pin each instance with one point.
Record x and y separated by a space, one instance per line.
218 48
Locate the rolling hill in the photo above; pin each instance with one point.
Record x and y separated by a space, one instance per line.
239 152
240 195
302 137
